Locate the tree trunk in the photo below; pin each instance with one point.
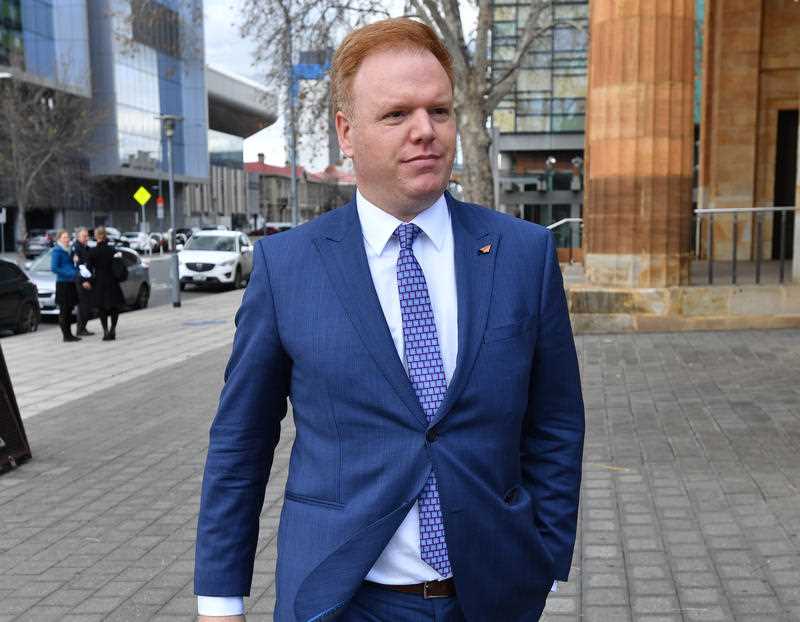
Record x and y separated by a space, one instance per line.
477 179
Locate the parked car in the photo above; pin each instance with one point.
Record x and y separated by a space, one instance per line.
19 304
216 258
38 241
271 228
138 241
136 288
213 228
112 233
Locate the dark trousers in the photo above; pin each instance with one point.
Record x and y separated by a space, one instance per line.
66 297
84 306
377 604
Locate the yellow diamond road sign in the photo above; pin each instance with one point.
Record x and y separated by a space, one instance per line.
142 196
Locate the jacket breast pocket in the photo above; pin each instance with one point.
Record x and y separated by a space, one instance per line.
507 331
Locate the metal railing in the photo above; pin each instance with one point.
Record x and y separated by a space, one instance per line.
569 221
755 213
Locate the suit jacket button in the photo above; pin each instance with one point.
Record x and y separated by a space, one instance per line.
431 435
510 495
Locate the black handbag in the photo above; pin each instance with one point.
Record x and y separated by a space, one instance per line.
119 269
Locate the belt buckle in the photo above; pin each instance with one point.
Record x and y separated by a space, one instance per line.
425 593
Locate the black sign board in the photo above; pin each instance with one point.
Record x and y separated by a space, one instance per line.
14 446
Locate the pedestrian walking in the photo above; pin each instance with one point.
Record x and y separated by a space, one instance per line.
108 297
83 285
426 348
66 272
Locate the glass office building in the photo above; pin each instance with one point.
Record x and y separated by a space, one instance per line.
46 42
550 94
147 60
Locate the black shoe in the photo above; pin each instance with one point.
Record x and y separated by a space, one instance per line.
85 333
112 334
69 338
108 337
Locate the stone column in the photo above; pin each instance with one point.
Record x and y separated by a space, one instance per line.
796 255
639 141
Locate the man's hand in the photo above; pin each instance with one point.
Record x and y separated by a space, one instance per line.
220 619
87 285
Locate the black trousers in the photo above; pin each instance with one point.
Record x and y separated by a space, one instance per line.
66 298
84 306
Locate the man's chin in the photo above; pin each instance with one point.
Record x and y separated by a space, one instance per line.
427 190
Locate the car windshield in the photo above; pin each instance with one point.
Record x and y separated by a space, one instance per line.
41 263
211 243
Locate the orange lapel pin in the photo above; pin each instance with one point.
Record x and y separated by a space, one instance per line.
485 250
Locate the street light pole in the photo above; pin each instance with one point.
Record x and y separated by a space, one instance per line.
168 122
292 135
4 75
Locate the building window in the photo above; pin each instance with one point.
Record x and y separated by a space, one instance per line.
550 92
156 26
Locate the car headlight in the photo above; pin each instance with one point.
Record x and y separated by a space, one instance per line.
227 263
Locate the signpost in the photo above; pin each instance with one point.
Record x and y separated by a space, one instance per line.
142 196
2 230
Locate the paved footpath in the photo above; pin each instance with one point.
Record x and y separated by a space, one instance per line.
690 507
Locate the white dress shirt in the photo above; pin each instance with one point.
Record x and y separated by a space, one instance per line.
401 563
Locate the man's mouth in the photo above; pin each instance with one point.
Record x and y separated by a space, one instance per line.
422 158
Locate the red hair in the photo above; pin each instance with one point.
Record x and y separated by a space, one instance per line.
397 33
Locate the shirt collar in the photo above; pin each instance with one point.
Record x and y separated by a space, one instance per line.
378 225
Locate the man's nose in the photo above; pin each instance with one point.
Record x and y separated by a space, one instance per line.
422 127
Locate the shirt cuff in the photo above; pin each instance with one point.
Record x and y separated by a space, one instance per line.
220 605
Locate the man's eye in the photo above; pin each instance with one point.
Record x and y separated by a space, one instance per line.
441 112
395 114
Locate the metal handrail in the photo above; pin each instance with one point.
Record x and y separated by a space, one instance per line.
731 210
563 221
736 211
567 221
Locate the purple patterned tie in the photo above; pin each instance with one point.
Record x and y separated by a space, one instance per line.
426 371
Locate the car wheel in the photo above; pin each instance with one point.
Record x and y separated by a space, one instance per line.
183 286
143 297
238 282
27 320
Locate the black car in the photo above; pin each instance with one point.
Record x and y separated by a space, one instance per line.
19 301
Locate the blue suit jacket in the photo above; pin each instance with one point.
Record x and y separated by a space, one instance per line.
507 455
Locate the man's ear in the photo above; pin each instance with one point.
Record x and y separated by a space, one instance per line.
343 127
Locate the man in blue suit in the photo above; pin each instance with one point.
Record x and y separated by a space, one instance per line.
427 352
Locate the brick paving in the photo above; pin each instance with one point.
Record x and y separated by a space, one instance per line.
690 507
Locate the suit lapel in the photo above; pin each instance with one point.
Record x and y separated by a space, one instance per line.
343 255
474 265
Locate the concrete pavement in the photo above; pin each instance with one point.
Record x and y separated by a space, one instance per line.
690 505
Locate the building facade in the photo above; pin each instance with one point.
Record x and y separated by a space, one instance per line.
645 154
46 42
539 128
147 60
237 109
269 191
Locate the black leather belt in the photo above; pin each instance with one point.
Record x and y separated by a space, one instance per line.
428 589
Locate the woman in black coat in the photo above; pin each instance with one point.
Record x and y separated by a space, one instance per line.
108 297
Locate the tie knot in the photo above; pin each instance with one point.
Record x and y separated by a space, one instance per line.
405 234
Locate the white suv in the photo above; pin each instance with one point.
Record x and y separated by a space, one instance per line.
216 258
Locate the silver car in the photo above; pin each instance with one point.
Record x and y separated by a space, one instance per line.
136 288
